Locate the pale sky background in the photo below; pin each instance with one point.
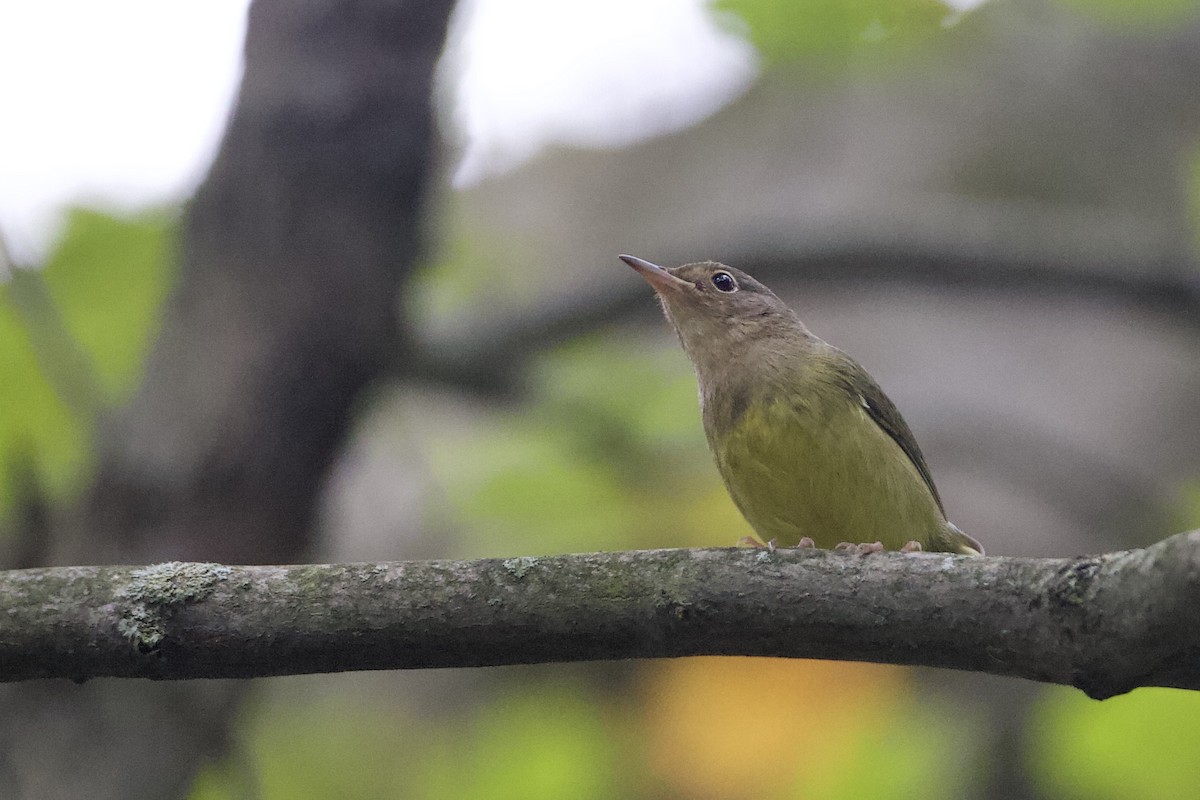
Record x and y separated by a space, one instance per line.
121 103
118 102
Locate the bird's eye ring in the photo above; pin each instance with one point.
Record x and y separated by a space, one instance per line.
724 282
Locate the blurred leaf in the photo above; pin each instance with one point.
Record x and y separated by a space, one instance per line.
608 452
828 32
225 780
331 748
36 431
626 399
760 727
107 277
521 486
1138 745
1193 189
209 785
545 741
706 518
442 291
921 750
1185 510
483 273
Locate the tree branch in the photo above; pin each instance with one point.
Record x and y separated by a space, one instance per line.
485 353
1105 624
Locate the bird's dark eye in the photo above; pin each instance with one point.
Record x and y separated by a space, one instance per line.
724 282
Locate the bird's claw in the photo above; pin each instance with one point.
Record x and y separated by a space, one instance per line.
861 549
912 546
750 541
773 544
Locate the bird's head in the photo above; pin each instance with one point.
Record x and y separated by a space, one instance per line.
718 311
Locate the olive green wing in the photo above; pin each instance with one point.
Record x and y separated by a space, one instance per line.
885 414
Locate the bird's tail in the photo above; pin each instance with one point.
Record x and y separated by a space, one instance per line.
962 543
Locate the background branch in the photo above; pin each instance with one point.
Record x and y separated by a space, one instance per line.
486 353
1105 624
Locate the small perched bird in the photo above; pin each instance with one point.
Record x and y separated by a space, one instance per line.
810 448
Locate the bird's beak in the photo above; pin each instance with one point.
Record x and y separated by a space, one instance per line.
658 278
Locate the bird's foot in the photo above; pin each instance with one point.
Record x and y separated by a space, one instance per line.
805 543
750 541
912 546
860 549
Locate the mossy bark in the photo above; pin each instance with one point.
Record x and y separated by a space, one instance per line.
1105 624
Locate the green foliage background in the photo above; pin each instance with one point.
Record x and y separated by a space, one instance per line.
107 277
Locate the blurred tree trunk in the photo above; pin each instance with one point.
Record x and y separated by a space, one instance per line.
293 253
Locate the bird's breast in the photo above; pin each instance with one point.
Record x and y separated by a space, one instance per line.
815 464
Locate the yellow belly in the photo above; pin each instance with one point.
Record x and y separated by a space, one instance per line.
829 473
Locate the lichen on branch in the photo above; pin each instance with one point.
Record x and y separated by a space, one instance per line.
1105 624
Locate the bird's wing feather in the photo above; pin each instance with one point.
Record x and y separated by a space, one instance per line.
885 414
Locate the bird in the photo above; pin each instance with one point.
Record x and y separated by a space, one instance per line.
810 449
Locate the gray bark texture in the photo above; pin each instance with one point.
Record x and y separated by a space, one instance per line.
1105 624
